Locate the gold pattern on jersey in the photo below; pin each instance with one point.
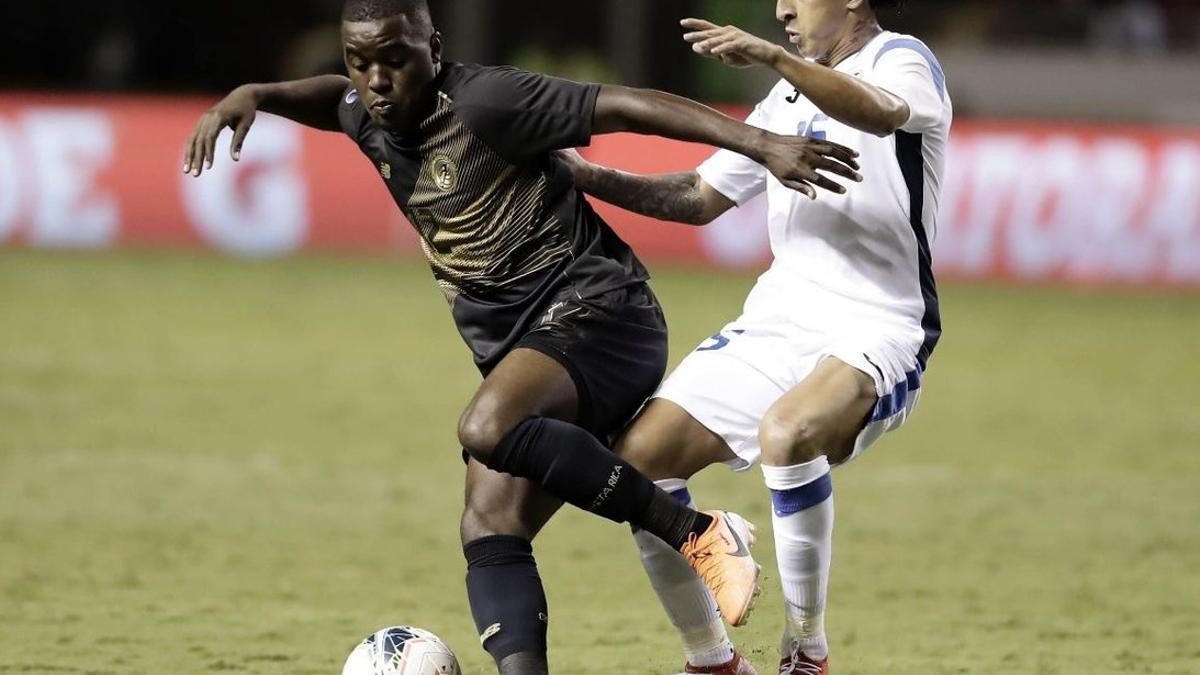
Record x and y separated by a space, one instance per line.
483 222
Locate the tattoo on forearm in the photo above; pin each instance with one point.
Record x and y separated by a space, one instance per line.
673 196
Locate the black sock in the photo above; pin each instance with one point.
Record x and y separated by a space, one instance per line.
674 522
572 465
525 663
508 602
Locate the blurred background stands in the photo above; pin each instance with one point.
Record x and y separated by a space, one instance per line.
1093 59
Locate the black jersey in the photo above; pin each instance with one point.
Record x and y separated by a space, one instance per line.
501 222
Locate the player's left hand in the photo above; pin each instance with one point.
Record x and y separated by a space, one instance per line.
729 44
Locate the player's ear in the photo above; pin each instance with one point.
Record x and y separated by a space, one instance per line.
855 5
435 48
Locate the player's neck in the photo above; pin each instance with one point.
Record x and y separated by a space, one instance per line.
409 136
857 37
425 109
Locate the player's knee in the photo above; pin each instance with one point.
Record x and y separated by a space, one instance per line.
789 440
480 432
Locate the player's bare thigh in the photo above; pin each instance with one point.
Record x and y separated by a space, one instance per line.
525 384
666 442
822 415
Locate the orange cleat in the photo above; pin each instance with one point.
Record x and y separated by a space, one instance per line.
721 558
736 666
798 663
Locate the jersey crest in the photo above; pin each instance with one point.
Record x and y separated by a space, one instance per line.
445 173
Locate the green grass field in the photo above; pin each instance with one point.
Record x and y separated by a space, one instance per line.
209 465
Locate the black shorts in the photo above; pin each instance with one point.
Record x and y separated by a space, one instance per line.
615 348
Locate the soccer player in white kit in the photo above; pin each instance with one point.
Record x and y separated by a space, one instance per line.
830 350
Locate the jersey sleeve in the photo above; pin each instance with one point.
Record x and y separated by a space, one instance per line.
353 116
906 68
523 115
737 177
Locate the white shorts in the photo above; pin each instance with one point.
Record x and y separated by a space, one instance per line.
730 381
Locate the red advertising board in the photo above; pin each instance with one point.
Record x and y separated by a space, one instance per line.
1022 201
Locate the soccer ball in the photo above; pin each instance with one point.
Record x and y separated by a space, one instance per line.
401 650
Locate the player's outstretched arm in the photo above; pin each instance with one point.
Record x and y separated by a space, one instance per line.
679 197
312 102
846 99
795 160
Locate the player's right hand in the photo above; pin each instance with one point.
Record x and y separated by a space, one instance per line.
237 111
797 160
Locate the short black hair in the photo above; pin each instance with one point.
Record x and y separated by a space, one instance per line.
373 10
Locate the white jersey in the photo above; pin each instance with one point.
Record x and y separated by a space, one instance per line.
860 260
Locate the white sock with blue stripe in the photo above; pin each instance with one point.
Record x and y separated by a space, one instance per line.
686 599
802 501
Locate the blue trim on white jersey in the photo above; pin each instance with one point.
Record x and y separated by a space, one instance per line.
939 76
911 155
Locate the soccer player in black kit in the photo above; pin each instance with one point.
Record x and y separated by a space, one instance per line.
554 306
